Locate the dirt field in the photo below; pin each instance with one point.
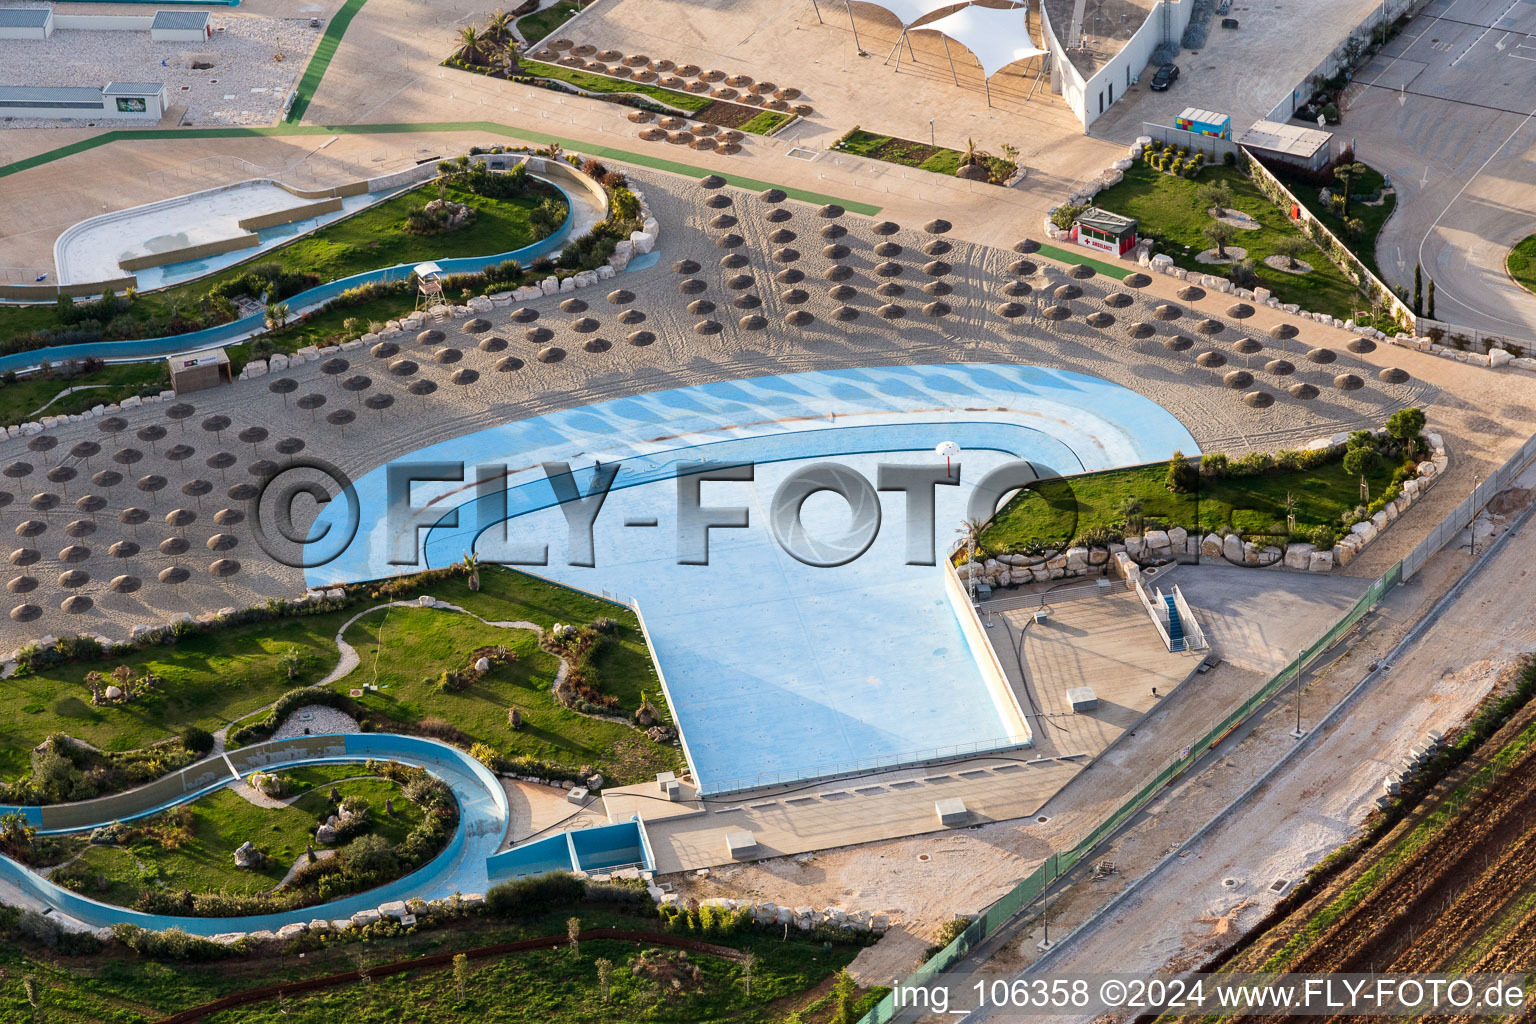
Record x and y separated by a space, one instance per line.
1448 889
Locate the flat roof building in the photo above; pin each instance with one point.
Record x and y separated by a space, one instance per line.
26 23
180 26
1289 143
128 101
197 371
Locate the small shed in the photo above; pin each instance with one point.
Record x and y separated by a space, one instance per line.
1204 122
26 23
198 371
1105 231
1294 144
142 101
181 27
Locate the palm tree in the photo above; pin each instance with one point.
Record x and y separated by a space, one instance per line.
469 45
277 315
1219 233
498 27
1347 174
972 155
291 662
472 569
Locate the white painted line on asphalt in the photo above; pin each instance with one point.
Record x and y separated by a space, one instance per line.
1490 28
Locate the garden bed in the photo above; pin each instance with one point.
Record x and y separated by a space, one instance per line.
938 159
1172 212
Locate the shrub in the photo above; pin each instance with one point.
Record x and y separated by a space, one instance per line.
171 944
1182 476
197 740
1252 464
1230 159
1214 465
1066 213
1325 537
530 897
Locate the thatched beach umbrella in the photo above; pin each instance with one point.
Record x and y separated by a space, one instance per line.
844 314
1016 289
538 335
888 250
1361 345
1166 311
125 584
830 211
640 339
1259 399
1081 271
891 311
1348 382
632 316
1099 320
403 368
1024 268
550 354
1237 379
449 356
91 504
936 247
1247 347
730 240
574 305
173 546
772 195
108 478
1303 391
23 557
229 517
45 501
937 226
707 327
18 469
335 367
585 325
384 350
1280 367
85 450
789 275
26 613
243 492
216 425
179 452
1118 300
1026 246
753 322
698 307
832 232
1210 327
74 579
1322 356
62 475
1393 375
524 315
76 604
492 343
733 261
1240 311
152 485
1211 359
1190 293
1137 280
1283 332
180 413
224 567
42 444
746 300
172 575
1140 330
222 542
1056 312
340 418
21 584
284 386
220 461
596 345
112 425
889 268
508 364
782 236
799 318
311 403
433 336
1011 310
196 489
685 267
464 377
1066 292
477 325
712 181
838 272
74 554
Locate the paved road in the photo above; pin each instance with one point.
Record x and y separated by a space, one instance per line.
1448 110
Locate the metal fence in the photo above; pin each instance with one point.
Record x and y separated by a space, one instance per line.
1470 339
1061 862
1462 516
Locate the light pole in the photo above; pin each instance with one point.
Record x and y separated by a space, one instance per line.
1472 526
1296 733
930 133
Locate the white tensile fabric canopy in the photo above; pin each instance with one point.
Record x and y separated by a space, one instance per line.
908 11
997 38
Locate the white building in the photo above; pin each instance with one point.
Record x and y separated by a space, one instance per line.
126 101
26 23
181 27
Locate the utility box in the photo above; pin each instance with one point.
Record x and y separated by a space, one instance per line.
1082 698
951 811
740 845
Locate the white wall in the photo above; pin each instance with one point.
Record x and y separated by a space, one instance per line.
39 32
1113 79
103 22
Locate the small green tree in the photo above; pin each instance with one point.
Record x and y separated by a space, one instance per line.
34 995
748 963
291 662
1405 425
469 45
1218 196
1219 233
1182 476
461 974
1347 175
1418 289
624 204
1291 247
1429 301
1360 461
276 315
573 933
604 976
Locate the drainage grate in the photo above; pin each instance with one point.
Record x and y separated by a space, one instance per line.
1279 885
1230 883
800 153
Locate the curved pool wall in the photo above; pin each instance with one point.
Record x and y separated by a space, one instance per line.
775 670
460 867
239 330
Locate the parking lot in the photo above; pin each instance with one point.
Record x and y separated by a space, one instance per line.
1446 110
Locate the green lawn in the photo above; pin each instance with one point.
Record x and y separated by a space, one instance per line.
1169 208
221 822
556 987
207 681
539 24
125 989
212 679
1373 217
404 650
1064 508
766 123
367 241
25 399
1522 263
692 102
901 151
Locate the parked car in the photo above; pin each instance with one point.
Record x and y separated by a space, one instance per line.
1166 76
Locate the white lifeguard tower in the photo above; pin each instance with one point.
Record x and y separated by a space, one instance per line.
429 290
